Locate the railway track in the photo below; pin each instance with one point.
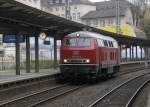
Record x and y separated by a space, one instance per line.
27 88
41 96
36 98
123 94
130 70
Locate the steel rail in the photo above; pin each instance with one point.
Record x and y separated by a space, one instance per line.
129 103
33 94
130 70
61 94
114 89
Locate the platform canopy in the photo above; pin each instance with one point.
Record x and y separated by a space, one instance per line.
16 17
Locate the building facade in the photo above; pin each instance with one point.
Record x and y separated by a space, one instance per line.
86 12
105 14
78 8
32 3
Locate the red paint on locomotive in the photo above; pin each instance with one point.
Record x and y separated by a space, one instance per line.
96 53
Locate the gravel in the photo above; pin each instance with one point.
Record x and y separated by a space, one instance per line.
87 95
143 99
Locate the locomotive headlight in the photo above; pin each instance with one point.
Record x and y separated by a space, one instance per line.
65 60
87 61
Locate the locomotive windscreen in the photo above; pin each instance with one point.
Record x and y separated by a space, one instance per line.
77 42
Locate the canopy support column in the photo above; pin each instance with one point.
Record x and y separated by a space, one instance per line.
141 52
136 53
126 57
36 54
55 52
27 54
17 55
130 53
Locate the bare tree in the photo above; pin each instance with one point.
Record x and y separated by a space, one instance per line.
139 8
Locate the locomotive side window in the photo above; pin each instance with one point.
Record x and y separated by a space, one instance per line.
110 44
100 42
105 43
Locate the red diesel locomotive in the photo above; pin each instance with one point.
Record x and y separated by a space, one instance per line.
89 54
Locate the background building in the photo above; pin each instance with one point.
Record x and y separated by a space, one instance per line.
105 14
32 3
8 49
78 8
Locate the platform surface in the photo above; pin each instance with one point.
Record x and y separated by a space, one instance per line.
10 76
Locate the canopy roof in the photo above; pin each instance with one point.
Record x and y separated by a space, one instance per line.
16 17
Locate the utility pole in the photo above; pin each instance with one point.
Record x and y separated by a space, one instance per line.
117 17
67 9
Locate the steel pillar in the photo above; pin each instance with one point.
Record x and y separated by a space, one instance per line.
130 52
146 56
17 55
148 53
126 53
141 52
136 53
27 54
55 53
120 51
36 54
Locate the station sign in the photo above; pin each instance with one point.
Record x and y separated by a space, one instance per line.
45 42
12 38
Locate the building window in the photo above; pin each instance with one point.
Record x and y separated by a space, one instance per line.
88 22
102 22
56 8
75 7
74 16
35 1
95 22
56 1
50 1
78 15
63 1
63 8
110 22
62 15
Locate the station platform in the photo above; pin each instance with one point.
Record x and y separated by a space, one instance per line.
7 77
134 62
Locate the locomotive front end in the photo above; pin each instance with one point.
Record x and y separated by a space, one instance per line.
77 55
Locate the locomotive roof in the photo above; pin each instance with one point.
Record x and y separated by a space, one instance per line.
91 34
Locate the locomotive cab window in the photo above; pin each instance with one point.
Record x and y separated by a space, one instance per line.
84 42
70 42
77 42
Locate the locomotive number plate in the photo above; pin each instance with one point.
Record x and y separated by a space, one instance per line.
76 52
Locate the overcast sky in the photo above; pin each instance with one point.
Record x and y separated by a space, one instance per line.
97 0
